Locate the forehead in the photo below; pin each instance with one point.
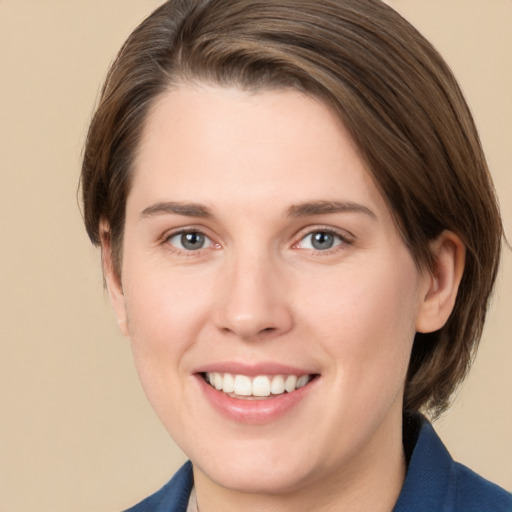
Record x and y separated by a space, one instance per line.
209 141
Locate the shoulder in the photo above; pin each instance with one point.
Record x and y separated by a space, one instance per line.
434 481
476 493
174 495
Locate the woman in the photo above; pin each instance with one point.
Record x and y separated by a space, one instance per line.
299 235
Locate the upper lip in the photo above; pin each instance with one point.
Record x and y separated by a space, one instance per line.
252 370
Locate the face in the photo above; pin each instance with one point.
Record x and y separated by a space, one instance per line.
270 301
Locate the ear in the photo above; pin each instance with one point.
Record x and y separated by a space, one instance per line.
442 282
112 278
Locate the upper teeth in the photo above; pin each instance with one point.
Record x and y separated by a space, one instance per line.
261 385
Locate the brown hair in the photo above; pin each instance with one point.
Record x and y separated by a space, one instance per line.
394 94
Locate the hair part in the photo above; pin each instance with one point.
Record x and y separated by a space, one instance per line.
394 94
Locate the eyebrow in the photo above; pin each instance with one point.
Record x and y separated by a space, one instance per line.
298 210
177 208
323 207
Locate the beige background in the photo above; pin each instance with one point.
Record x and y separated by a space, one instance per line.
76 433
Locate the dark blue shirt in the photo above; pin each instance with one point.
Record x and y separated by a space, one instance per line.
434 482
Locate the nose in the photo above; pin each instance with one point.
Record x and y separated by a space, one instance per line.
253 300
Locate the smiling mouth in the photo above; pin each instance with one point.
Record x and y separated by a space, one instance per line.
259 387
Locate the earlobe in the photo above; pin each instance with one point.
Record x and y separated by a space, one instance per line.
449 254
112 279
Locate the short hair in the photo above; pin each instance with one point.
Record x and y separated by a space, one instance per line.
390 88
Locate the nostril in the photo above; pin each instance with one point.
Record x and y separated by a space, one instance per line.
252 320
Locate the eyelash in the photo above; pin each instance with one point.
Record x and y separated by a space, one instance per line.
343 240
188 252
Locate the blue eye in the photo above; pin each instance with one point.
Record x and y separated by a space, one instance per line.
189 240
320 240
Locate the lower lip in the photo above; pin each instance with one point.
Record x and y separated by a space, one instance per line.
255 412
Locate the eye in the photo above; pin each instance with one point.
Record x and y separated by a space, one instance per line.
321 240
189 241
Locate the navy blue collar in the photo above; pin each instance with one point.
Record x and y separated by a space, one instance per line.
435 482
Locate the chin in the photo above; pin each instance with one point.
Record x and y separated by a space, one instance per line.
266 469
262 479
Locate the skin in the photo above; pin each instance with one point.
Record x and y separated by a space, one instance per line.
259 291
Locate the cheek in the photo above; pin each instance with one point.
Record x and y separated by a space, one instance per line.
162 305
165 318
165 314
366 317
